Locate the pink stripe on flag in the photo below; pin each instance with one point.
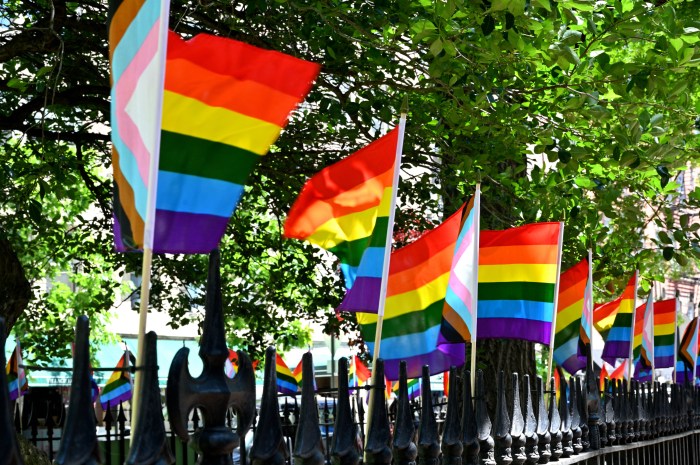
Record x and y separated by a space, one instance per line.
124 89
466 242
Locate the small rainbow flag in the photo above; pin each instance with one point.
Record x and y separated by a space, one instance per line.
231 364
619 334
298 372
286 383
119 387
224 103
573 287
459 310
359 373
518 280
416 288
603 376
413 385
345 209
643 342
621 371
665 333
16 376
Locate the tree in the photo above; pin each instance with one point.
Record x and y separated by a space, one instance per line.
577 110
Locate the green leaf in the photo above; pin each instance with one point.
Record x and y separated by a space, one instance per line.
664 238
542 4
436 47
668 253
499 5
488 25
584 182
571 37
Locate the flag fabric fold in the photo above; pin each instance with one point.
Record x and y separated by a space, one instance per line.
459 310
16 376
345 209
573 288
119 387
518 279
359 373
643 341
664 333
616 321
417 284
286 383
224 103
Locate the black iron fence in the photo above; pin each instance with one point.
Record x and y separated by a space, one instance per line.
631 423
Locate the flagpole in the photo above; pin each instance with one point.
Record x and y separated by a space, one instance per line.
556 302
385 266
634 318
475 283
651 338
675 341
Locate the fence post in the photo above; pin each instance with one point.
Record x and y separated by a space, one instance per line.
79 439
483 423
308 447
566 434
344 448
470 433
149 443
543 437
575 417
212 392
8 437
501 436
530 431
451 436
517 425
378 444
554 424
428 445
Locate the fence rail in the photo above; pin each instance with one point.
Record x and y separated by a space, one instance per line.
626 424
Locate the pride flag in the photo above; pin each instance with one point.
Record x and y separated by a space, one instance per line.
603 376
518 279
573 287
413 385
416 288
620 371
16 376
224 103
664 333
298 372
459 310
286 383
643 341
359 373
119 387
688 350
345 208
231 364
619 334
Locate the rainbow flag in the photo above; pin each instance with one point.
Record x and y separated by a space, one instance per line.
345 208
573 287
298 373
16 376
224 103
688 351
621 371
619 334
416 288
286 383
664 333
119 387
603 376
643 340
413 385
518 280
459 311
359 373
231 364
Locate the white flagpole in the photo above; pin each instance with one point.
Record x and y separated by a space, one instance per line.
149 224
475 282
634 318
675 341
385 266
651 336
556 302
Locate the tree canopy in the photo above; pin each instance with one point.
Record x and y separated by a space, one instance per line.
584 111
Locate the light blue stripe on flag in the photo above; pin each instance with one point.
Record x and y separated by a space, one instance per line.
185 193
522 309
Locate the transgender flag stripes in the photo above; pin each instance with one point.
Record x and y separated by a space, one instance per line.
118 388
619 336
643 341
518 279
223 104
573 286
688 352
16 376
664 333
345 209
459 311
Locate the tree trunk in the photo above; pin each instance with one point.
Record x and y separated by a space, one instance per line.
494 355
15 290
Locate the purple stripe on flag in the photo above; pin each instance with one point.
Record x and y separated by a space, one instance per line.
177 232
515 328
616 349
439 360
574 364
364 296
665 361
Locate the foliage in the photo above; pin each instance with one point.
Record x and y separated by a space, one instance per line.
568 110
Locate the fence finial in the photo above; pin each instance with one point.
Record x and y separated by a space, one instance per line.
517 425
344 448
212 392
428 445
149 444
567 436
8 440
405 450
575 417
543 437
451 437
79 440
583 412
483 423
269 448
470 439
554 424
378 444
308 447
501 435
533 456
